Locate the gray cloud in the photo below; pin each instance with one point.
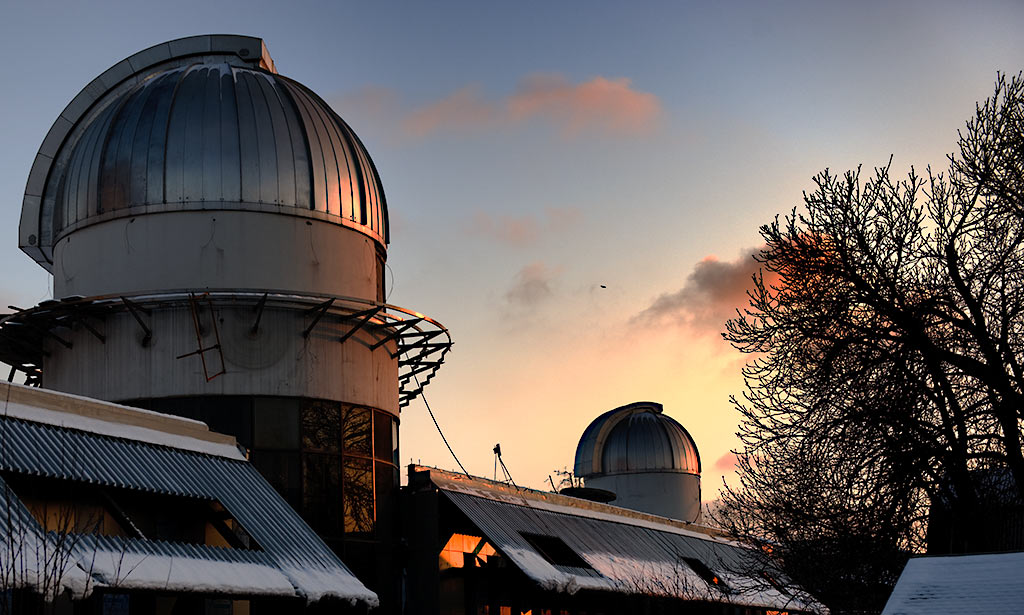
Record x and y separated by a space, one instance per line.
532 285
713 291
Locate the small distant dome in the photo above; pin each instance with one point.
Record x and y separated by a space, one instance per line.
636 438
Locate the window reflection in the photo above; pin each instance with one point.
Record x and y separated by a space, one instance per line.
357 430
359 509
336 463
320 428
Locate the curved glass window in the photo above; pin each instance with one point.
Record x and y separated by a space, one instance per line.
337 464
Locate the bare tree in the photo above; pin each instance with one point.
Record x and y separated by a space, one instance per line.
888 366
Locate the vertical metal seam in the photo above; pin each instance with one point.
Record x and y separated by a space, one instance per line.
285 109
332 136
305 139
238 132
308 124
170 114
352 165
256 134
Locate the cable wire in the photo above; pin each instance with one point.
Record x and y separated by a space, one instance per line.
431 412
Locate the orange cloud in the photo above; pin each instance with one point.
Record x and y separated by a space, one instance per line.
713 291
602 105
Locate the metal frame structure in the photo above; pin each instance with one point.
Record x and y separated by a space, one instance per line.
422 342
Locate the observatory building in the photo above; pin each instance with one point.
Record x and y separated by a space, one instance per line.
645 458
217 237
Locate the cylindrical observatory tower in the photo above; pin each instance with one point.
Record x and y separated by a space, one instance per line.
217 238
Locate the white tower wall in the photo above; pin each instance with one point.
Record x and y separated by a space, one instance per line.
214 250
669 494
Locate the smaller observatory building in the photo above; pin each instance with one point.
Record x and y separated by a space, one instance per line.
646 458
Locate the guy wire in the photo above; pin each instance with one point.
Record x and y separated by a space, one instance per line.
431 412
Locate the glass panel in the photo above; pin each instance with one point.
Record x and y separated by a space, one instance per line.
359 512
394 442
321 493
386 490
275 423
382 447
357 430
228 414
321 429
282 471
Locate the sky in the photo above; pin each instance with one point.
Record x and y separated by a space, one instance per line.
575 188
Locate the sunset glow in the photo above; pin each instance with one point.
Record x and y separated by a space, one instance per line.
575 191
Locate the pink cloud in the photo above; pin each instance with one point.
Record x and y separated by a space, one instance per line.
519 231
601 104
462 109
726 462
515 231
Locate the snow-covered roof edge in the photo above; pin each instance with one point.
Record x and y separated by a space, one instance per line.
114 420
555 502
974 582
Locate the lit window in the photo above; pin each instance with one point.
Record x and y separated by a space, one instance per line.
464 551
705 573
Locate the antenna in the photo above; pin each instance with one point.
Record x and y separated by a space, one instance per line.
504 468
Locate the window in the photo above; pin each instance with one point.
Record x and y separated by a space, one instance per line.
357 430
705 573
87 508
336 463
359 509
555 550
275 423
465 551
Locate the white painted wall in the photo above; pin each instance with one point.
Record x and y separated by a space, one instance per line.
216 249
275 361
670 494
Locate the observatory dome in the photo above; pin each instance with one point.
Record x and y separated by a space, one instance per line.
217 130
637 437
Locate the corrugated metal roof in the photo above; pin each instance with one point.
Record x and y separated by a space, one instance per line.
991 583
625 554
289 546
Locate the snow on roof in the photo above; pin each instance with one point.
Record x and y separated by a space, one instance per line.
501 492
625 551
85 444
108 419
936 585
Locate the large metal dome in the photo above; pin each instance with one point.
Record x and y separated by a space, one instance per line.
198 123
634 438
